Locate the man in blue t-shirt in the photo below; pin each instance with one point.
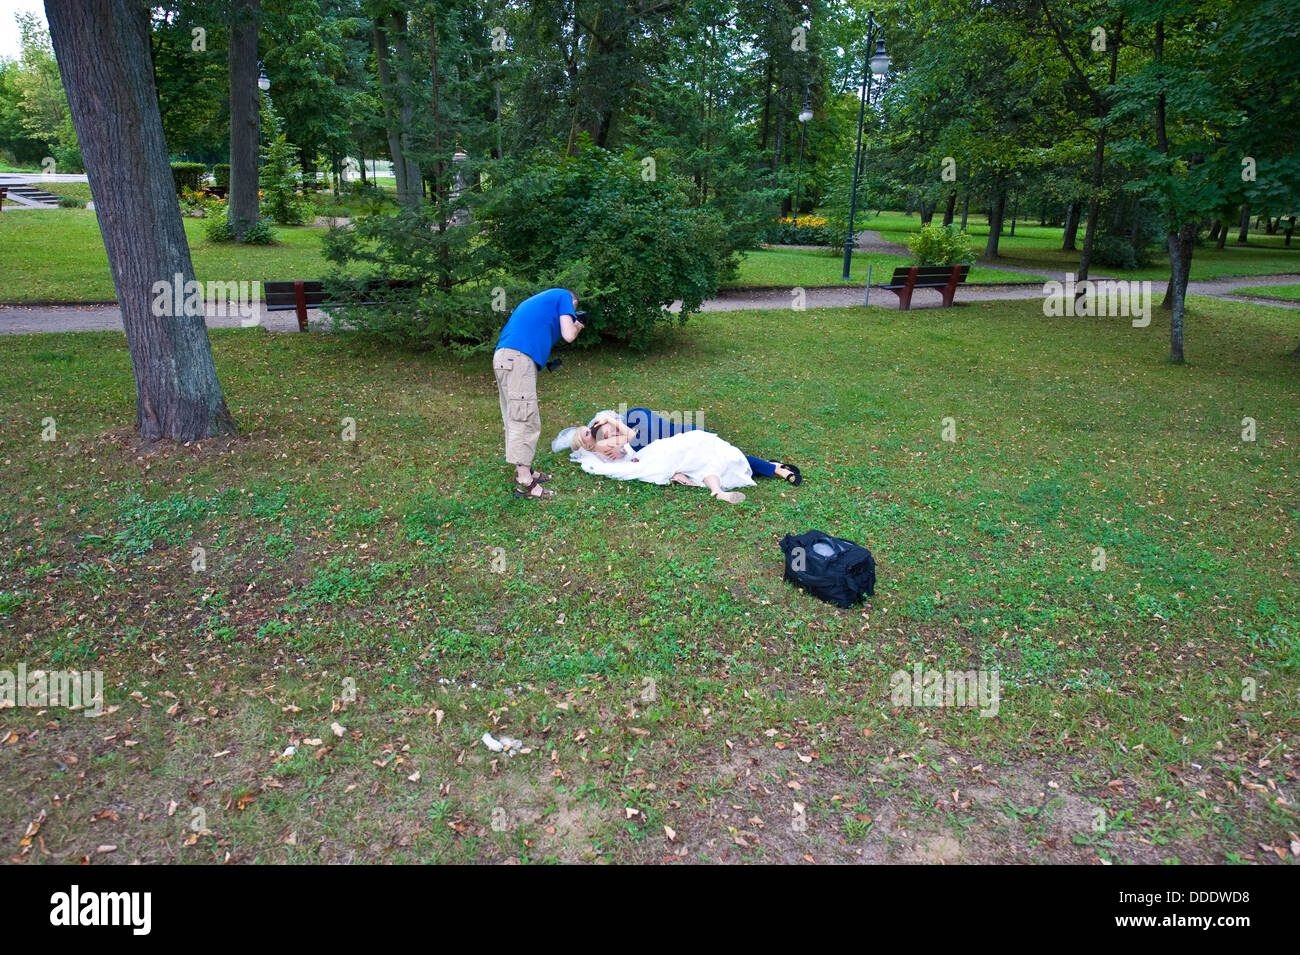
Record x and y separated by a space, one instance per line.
524 346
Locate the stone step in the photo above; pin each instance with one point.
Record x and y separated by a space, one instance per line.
32 194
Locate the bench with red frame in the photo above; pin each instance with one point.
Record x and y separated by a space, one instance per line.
302 294
945 278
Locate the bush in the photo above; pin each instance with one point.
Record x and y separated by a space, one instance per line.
1130 238
68 202
281 176
630 230
217 228
803 230
941 245
221 173
451 301
188 176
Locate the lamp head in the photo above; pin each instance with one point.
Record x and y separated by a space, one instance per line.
880 59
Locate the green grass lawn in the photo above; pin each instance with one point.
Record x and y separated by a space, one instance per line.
808 267
380 603
1272 291
57 255
74 190
1038 247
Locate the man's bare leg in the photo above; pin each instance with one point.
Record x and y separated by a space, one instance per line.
524 477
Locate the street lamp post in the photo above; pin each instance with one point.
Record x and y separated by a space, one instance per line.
263 84
877 65
805 115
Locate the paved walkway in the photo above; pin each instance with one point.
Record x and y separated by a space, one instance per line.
25 319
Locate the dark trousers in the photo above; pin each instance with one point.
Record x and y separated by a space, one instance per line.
648 426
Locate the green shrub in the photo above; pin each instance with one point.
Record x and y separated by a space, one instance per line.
804 230
628 225
281 176
188 176
941 245
221 173
68 202
217 228
449 303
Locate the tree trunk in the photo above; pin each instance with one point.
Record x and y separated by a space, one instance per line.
1216 227
1015 210
1094 204
996 214
927 211
102 48
1244 225
245 116
414 180
1071 226
965 210
950 209
396 118
1181 244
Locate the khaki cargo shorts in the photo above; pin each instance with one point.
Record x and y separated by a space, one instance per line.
517 388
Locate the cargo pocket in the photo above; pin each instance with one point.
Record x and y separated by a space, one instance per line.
523 409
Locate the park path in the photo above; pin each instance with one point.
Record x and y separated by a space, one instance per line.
27 319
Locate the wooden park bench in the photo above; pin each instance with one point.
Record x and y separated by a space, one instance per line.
4 193
906 280
301 295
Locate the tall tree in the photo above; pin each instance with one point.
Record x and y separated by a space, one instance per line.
243 208
102 48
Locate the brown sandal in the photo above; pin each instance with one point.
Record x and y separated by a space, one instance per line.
541 478
526 490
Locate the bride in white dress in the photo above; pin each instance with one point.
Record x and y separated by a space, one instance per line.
695 458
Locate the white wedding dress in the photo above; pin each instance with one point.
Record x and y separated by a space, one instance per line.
697 454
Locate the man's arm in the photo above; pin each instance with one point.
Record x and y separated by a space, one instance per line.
569 328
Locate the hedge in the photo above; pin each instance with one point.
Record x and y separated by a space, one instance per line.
188 176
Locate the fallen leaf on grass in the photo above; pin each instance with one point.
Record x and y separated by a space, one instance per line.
338 730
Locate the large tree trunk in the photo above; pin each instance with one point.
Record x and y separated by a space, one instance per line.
1071 226
1244 225
103 54
996 214
398 108
1181 244
242 211
414 180
965 210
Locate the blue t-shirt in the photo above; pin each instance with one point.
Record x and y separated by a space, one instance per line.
534 327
